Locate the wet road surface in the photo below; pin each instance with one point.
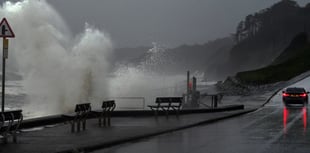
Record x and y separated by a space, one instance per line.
272 129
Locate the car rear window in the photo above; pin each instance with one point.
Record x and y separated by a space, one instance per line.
295 90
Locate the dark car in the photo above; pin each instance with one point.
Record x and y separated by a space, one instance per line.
295 95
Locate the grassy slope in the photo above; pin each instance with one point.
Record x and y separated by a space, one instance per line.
280 72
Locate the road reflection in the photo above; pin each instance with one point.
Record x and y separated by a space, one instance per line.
285 115
304 118
295 112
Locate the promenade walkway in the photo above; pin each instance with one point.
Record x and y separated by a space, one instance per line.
58 138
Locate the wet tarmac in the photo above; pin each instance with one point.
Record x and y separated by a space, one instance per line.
58 138
271 129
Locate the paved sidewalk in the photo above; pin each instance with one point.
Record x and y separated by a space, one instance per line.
58 138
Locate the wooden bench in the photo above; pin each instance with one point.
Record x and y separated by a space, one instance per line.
105 114
167 104
9 124
81 113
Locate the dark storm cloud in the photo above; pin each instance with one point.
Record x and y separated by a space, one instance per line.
170 22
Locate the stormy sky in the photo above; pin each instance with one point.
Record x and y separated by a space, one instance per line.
133 23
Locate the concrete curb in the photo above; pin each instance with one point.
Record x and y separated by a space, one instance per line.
268 100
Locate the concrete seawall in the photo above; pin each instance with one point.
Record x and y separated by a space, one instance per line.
55 119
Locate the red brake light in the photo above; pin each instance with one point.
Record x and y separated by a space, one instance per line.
303 95
285 94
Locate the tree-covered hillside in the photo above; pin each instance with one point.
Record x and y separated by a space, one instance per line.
261 37
258 41
292 62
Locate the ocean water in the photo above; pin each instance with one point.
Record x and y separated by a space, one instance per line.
129 93
15 95
16 98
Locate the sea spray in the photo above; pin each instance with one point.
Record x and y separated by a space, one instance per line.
58 70
147 79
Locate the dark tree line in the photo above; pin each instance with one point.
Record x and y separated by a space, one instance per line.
262 36
247 28
282 18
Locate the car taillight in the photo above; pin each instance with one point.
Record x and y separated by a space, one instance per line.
303 95
285 94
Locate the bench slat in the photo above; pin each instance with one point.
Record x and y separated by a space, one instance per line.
166 104
17 114
108 104
82 107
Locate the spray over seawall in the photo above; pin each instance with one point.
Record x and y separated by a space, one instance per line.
146 79
58 69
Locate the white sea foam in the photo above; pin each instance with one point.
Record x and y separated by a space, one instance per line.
58 69
146 79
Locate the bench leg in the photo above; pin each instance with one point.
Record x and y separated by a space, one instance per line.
178 113
155 112
84 124
5 139
99 120
78 125
105 119
14 137
72 127
167 113
109 118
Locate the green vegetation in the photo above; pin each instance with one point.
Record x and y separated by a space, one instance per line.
294 49
280 72
260 37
